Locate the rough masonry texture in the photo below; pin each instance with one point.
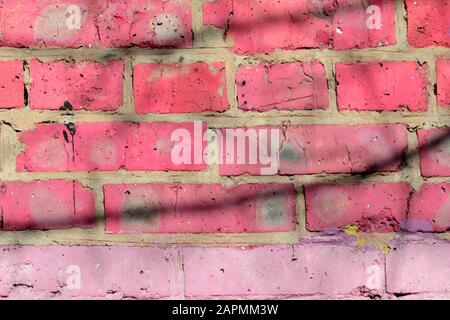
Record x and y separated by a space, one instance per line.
95 96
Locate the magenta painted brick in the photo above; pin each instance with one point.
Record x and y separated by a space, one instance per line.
434 149
428 22
429 208
53 204
280 270
117 145
85 23
417 267
264 26
180 88
65 272
290 86
382 85
11 84
85 85
189 208
312 149
443 81
373 207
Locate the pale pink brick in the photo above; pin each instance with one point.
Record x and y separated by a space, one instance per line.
290 86
434 149
429 208
443 81
105 272
85 85
372 207
111 23
312 149
188 208
382 85
106 146
428 22
11 84
416 267
52 204
180 88
264 26
281 270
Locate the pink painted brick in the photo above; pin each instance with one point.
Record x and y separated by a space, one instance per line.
188 208
355 24
53 204
27 23
86 85
428 22
415 268
290 86
279 270
373 207
312 149
180 88
116 145
443 81
382 85
144 23
104 272
429 208
264 26
112 23
11 84
434 149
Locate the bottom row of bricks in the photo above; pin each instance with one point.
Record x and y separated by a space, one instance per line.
215 208
152 272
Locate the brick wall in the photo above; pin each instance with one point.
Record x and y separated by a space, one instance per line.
93 203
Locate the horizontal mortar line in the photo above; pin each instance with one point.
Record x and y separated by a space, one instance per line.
111 177
116 53
18 117
71 236
52 237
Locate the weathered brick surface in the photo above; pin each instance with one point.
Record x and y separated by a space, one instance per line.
329 120
11 84
443 81
292 86
309 149
86 85
428 22
110 23
290 270
188 208
180 88
416 267
37 272
382 85
53 204
434 152
335 206
428 209
264 26
117 145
